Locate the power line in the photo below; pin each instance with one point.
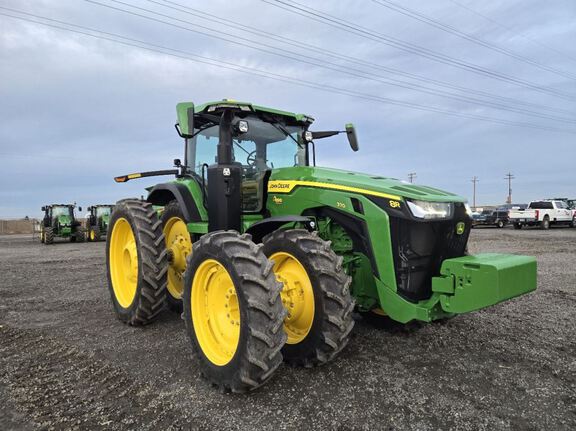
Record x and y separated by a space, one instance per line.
411 177
466 36
366 33
511 30
112 37
325 52
302 58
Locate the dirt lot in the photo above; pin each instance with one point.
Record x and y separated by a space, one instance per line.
66 362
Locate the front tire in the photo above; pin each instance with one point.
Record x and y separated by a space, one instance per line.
94 234
315 292
48 236
233 311
500 224
136 262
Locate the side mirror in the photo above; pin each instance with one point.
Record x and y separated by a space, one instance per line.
177 163
43 209
352 138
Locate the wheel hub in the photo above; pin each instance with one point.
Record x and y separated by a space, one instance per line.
297 296
179 246
215 312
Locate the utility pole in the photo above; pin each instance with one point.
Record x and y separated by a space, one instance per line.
474 181
509 177
411 176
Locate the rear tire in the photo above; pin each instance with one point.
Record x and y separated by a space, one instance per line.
228 275
136 262
80 235
332 322
500 224
179 245
48 236
517 226
545 223
94 234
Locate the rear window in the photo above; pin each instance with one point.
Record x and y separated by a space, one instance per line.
541 205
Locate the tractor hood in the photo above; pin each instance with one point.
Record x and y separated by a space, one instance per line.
358 182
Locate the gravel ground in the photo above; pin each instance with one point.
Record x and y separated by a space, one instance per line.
66 362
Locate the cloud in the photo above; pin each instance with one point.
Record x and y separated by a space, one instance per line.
76 110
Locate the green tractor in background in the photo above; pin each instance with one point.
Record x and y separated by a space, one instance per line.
97 222
60 222
268 255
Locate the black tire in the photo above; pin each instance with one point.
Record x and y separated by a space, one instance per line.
170 211
545 223
517 226
500 224
48 235
333 303
150 294
261 337
79 235
573 223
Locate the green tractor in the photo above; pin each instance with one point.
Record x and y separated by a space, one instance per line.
98 221
268 255
60 222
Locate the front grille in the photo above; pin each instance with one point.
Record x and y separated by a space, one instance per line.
420 247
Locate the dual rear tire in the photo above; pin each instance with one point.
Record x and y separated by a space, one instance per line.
246 307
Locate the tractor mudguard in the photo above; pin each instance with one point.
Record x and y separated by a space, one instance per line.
162 194
470 283
262 228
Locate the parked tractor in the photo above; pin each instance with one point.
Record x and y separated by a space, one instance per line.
97 222
269 255
60 222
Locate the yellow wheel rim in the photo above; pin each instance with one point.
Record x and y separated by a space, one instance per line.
123 262
92 235
297 296
179 244
215 312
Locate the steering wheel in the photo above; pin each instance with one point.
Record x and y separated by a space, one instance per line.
251 159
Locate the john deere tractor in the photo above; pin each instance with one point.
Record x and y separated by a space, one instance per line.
268 254
97 222
60 222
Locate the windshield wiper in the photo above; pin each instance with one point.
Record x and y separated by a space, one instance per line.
282 129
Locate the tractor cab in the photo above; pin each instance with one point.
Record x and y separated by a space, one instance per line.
261 140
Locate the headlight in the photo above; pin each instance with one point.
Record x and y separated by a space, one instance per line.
431 210
243 126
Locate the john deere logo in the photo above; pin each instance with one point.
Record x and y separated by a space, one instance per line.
460 228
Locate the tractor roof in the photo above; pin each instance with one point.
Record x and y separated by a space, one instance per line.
60 205
247 106
101 205
185 109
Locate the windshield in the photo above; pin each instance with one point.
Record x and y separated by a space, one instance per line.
59 211
102 211
541 205
263 147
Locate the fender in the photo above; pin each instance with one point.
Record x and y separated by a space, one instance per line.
263 227
162 194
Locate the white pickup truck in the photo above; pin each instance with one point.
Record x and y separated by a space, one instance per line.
543 213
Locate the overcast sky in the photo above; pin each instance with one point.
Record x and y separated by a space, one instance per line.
76 111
